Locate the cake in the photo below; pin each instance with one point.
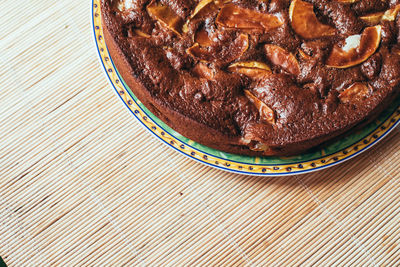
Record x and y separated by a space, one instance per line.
258 77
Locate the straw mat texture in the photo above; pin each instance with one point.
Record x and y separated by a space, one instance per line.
82 184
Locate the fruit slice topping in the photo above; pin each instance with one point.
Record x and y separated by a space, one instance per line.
357 49
141 33
254 145
221 54
202 8
372 19
233 16
355 93
165 16
266 113
202 38
376 18
305 23
391 14
252 69
202 71
282 58
347 1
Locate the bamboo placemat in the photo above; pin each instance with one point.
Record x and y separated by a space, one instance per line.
82 184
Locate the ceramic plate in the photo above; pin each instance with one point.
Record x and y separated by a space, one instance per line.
317 159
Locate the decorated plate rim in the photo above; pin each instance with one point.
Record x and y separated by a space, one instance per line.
272 169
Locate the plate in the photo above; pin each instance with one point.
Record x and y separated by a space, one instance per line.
316 159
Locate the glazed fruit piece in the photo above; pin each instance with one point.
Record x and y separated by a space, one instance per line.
357 49
252 69
164 15
258 77
305 23
233 16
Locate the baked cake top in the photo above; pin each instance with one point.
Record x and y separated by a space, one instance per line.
272 72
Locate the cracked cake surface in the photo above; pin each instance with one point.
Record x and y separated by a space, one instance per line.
258 77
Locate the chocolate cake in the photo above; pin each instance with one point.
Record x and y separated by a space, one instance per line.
258 77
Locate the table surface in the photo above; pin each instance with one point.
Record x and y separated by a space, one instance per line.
83 184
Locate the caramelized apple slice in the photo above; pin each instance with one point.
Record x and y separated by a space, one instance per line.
355 93
357 49
266 112
221 3
233 16
251 137
303 55
228 54
201 37
204 7
254 145
259 147
376 18
166 16
391 14
141 33
282 58
200 53
201 6
372 19
253 69
305 23
347 1
202 71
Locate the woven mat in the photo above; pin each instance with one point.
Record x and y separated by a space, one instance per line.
82 184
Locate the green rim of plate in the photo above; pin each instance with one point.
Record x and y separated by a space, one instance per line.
316 159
